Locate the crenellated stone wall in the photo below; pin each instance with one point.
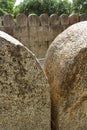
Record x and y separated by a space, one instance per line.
38 32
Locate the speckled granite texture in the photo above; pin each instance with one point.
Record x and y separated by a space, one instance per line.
24 91
66 69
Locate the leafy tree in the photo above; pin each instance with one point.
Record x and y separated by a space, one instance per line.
80 6
44 6
49 6
32 6
6 6
2 12
68 6
16 10
64 7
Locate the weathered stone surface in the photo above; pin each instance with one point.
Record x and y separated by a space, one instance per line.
8 24
8 20
21 31
44 19
55 27
0 21
64 21
66 69
24 91
54 20
22 34
21 20
73 18
33 20
38 32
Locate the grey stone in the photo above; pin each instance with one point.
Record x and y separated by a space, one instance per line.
66 69
24 90
33 20
44 20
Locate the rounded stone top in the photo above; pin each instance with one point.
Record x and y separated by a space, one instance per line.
24 90
33 20
65 48
73 18
21 20
64 19
68 44
8 20
54 19
44 19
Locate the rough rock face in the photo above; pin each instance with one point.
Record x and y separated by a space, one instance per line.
24 91
66 69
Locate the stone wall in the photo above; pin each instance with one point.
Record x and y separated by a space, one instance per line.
37 32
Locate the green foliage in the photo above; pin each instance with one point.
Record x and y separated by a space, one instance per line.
64 7
33 6
49 6
44 6
6 6
2 12
79 6
68 6
16 11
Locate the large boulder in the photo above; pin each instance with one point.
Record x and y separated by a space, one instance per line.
66 69
24 91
